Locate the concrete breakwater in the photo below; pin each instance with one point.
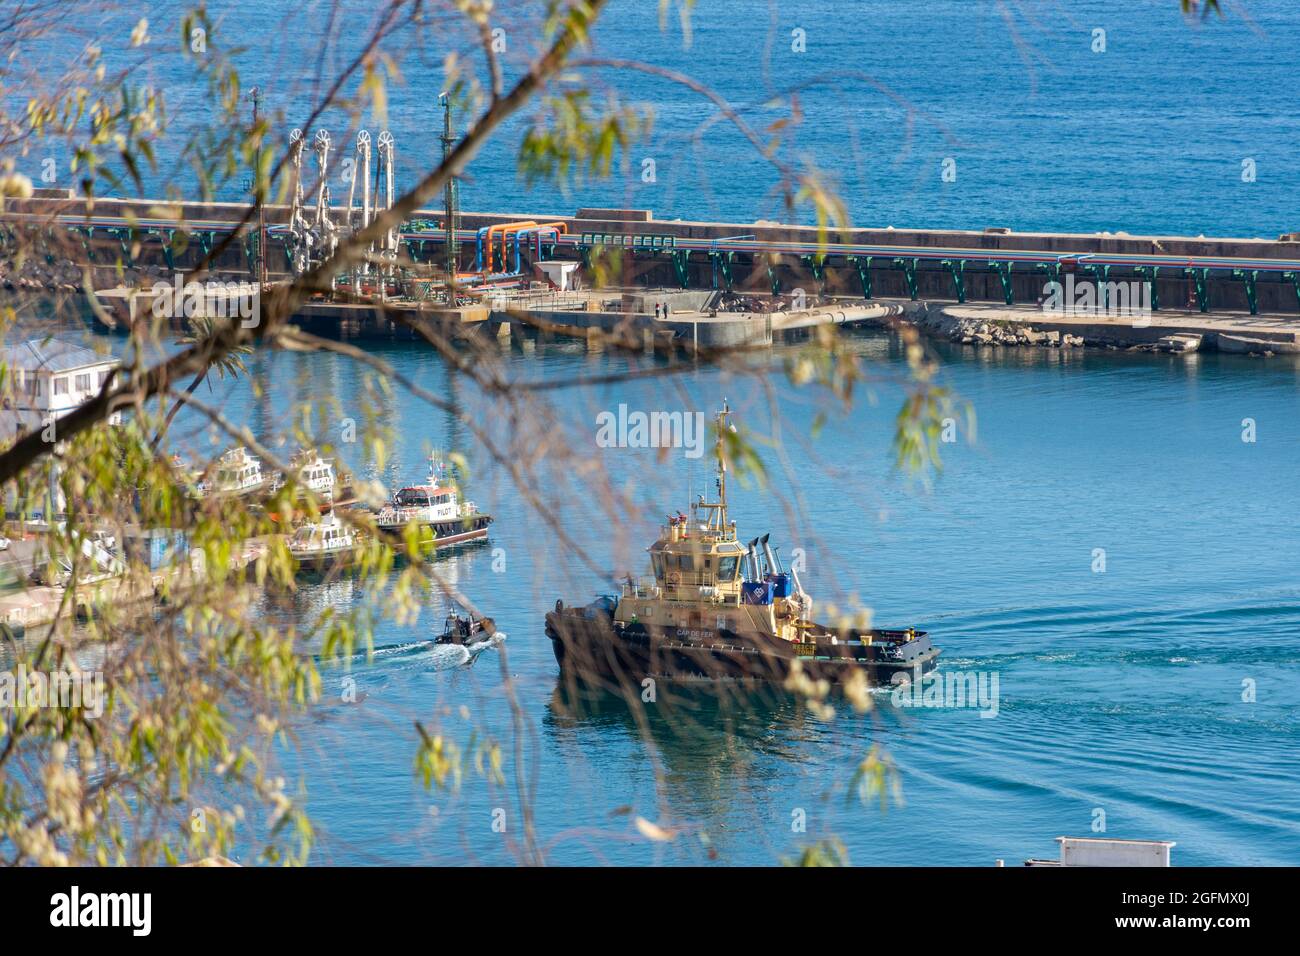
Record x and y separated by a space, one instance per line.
1180 274
730 283
1005 326
693 318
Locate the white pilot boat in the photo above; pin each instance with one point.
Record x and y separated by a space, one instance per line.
436 509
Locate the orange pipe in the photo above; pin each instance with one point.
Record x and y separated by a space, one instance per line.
487 265
514 227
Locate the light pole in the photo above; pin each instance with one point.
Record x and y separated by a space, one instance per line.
449 201
256 95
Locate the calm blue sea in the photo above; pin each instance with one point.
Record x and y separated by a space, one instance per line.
1149 136
1121 691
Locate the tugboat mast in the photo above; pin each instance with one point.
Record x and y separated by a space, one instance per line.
716 524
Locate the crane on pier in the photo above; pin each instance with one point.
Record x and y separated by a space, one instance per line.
360 170
326 232
386 171
299 240
310 241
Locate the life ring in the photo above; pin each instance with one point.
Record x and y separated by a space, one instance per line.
674 577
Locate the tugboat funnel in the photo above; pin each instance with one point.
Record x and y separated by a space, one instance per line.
767 554
751 560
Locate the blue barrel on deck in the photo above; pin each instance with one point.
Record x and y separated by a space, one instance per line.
782 586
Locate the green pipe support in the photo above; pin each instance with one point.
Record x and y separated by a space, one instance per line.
1249 276
169 254
816 264
125 238
909 274
681 257
1295 281
722 265
1003 269
1151 274
773 279
958 269
1200 277
1053 272
863 265
1100 275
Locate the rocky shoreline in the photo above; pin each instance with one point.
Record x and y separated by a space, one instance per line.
991 327
936 322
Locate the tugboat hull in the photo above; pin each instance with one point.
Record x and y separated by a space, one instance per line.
589 644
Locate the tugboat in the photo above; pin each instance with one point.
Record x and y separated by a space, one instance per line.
435 507
321 544
719 609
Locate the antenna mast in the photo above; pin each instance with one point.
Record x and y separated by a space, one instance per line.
723 422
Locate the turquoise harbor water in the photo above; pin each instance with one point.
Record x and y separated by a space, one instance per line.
1119 691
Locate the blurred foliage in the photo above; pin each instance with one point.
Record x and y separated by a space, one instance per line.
571 141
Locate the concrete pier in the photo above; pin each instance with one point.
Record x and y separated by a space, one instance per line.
985 324
25 605
1236 294
1254 275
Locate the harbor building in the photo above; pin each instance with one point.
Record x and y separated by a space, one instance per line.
50 378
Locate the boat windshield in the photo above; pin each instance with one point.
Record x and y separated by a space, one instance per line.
420 498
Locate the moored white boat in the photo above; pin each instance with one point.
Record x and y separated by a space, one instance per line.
314 473
237 473
323 543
